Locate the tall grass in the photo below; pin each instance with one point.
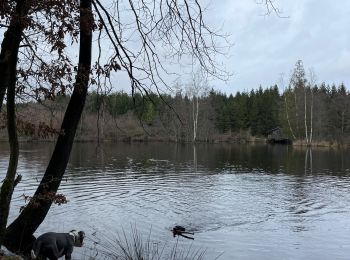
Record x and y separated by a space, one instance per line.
136 246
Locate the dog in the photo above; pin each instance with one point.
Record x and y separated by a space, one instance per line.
180 231
55 245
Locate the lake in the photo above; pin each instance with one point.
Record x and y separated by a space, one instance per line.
241 201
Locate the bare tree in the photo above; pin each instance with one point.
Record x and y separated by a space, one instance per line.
312 79
9 181
298 83
8 66
19 234
286 105
196 90
305 116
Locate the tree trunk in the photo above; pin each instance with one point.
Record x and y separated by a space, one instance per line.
8 183
296 113
197 108
10 45
305 117
312 85
195 117
311 114
342 123
287 115
19 233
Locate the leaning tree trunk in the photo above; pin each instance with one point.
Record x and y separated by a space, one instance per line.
10 44
8 67
20 233
9 181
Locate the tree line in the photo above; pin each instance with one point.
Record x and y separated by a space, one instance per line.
308 113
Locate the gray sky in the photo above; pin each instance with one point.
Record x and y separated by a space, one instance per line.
266 46
316 31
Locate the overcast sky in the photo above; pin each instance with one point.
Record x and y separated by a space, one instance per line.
316 31
266 46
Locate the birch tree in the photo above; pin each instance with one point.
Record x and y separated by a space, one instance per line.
312 80
298 83
196 90
286 105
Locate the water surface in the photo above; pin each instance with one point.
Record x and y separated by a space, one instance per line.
242 201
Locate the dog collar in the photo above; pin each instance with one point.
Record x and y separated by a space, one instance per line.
75 235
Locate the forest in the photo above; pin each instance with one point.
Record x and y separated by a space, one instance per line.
308 113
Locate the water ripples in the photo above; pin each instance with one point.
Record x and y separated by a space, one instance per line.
206 202
227 204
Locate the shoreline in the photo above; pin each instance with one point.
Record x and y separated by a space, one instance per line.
230 140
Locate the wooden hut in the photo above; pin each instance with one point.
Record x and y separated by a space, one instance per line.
276 136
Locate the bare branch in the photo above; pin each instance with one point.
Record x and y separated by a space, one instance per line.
271 7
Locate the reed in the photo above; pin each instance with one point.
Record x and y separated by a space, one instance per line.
135 246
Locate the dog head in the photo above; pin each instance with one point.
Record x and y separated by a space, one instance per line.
78 237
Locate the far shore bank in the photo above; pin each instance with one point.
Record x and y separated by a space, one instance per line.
225 140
